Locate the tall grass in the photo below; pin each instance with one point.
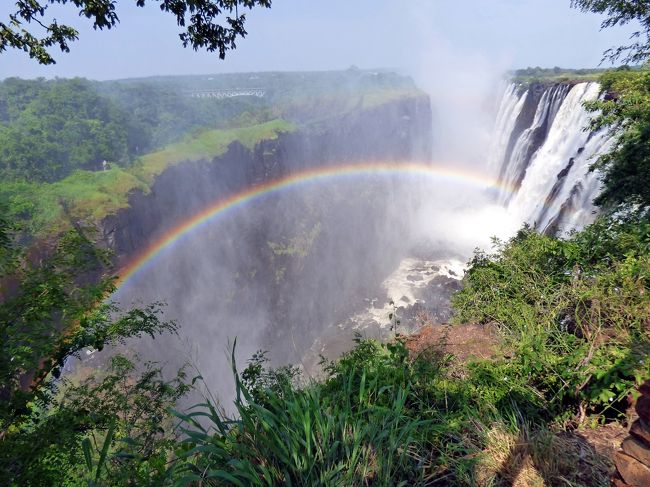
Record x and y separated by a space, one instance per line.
382 417
352 430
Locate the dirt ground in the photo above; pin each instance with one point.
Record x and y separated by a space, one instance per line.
464 342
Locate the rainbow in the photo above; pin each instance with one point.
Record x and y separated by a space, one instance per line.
312 176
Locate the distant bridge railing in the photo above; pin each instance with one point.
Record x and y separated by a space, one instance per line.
221 94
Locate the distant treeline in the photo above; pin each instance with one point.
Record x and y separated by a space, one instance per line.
556 71
49 128
538 74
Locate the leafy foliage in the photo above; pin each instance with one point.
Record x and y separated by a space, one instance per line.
48 129
50 312
379 416
576 312
51 128
626 113
113 428
203 21
357 428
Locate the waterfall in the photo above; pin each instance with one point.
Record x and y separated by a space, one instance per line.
511 105
542 151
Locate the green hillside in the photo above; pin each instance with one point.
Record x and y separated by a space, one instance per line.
56 135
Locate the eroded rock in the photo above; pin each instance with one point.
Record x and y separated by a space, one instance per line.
636 449
631 470
640 431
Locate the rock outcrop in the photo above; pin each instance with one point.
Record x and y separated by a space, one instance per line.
633 461
395 130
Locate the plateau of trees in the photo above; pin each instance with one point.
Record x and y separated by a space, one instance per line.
50 128
214 25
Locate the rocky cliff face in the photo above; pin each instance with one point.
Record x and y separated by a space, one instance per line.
288 265
398 130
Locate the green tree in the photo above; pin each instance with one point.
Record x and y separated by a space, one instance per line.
625 112
58 126
214 25
53 306
622 12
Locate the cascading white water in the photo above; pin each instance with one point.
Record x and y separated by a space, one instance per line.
542 153
511 104
514 168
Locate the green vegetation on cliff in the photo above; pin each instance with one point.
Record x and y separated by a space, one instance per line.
46 208
207 144
626 113
74 150
555 75
575 312
48 129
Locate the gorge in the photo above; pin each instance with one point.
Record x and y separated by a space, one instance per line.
324 244
370 231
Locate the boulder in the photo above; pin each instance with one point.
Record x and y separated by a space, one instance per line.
637 450
644 388
643 408
640 431
631 470
633 463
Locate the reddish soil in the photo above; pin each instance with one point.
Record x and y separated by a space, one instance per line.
606 438
464 342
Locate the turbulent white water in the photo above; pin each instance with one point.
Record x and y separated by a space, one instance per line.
542 152
514 170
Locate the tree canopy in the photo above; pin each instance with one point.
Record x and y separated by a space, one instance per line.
625 168
50 128
213 25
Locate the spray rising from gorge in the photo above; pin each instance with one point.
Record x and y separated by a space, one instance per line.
300 244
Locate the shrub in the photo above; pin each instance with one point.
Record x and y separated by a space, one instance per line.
575 312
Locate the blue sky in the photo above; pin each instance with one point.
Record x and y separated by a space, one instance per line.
407 35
